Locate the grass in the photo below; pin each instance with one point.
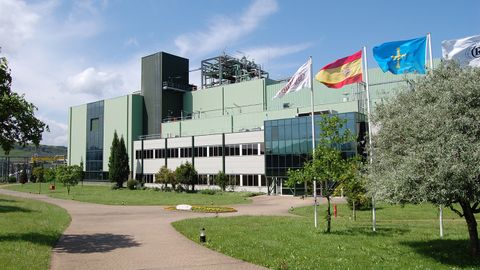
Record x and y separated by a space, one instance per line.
105 195
406 238
28 231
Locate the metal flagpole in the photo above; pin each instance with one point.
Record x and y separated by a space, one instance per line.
313 144
374 219
430 63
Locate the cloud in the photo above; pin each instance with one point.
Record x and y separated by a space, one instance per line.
95 83
131 42
17 23
58 132
263 55
223 31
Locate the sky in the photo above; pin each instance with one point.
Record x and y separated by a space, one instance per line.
67 53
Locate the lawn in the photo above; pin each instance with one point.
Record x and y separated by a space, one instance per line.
28 231
406 238
103 194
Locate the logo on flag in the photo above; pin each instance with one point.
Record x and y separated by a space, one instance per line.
402 56
466 51
301 79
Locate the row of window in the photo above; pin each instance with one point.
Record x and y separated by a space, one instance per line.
204 179
251 149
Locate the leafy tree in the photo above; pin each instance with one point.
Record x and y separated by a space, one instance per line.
18 123
221 179
187 175
427 149
114 173
166 176
39 173
69 175
124 168
355 188
49 174
328 166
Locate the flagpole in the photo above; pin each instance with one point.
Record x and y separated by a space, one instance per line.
313 144
374 219
430 62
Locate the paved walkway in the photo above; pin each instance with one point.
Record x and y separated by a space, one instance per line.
141 237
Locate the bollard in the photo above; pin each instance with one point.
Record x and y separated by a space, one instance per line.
334 210
203 237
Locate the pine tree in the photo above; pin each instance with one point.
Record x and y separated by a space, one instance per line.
113 168
124 169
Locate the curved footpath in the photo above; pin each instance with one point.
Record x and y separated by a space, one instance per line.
141 237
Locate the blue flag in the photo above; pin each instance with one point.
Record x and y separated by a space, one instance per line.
403 56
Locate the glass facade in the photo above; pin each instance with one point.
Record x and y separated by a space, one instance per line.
288 144
94 159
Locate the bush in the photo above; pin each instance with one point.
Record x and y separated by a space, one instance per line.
221 180
208 191
114 187
133 184
12 179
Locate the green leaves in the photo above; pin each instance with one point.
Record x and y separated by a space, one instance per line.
17 120
118 168
428 146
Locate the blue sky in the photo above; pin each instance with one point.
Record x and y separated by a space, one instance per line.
65 53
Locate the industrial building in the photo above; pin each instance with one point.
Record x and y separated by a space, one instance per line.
229 123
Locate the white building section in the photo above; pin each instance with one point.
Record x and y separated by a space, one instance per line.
239 155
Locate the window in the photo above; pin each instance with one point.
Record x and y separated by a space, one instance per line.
94 124
201 151
250 180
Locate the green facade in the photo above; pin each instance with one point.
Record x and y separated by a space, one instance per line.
122 114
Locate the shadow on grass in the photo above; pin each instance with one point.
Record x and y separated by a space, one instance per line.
5 200
36 238
9 208
450 252
368 231
72 243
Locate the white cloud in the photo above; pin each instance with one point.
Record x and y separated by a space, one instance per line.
263 55
58 133
132 41
17 23
223 31
93 82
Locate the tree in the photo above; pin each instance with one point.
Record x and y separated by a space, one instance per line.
187 175
124 168
49 174
39 173
327 166
17 116
82 177
166 176
427 147
355 188
69 176
114 173
221 179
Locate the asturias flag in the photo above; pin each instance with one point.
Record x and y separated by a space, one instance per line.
344 71
403 56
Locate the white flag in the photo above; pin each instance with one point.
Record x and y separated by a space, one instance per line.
300 79
466 50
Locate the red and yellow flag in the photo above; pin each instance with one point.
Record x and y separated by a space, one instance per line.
342 72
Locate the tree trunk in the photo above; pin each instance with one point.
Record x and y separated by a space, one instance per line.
354 214
472 228
329 215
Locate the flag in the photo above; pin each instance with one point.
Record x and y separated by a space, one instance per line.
342 72
299 80
466 50
403 56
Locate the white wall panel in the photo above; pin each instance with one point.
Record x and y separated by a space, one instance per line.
245 165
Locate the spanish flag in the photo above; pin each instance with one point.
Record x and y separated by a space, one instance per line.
342 72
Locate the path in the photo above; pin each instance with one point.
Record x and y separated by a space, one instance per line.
141 237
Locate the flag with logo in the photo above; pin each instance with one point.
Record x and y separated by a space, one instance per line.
402 56
343 71
466 51
301 79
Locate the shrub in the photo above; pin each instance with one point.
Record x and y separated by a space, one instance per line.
208 191
221 180
114 186
23 177
12 179
38 173
132 184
